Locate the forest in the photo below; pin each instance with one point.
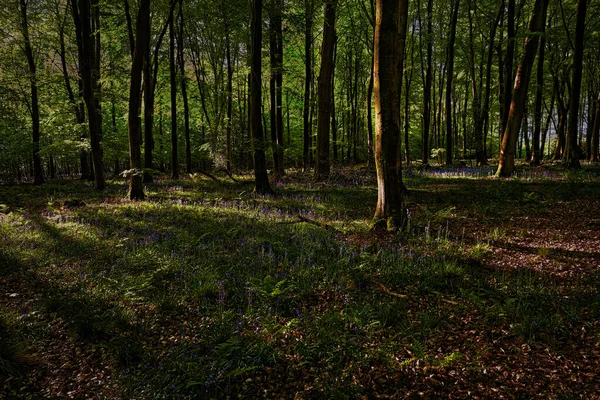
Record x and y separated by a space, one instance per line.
299 199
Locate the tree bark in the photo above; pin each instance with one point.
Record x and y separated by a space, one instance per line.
173 75
390 40
142 44
308 4
184 94
229 100
537 23
572 150
507 69
322 161
34 107
427 87
261 178
539 98
89 64
595 156
150 81
450 72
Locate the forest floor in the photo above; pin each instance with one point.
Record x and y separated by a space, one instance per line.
206 290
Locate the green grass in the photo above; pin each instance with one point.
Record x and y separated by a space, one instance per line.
206 290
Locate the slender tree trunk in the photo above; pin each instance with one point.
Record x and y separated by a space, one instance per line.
184 95
173 75
334 138
450 63
261 178
485 111
594 155
142 38
150 81
507 152
508 67
309 7
370 109
546 127
38 176
229 101
322 162
279 87
427 86
77 103
571 154
408 81
562 118
539 98
390 40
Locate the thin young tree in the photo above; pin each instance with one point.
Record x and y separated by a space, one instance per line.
390 40
142 45
173 76
324 92
539 99
308 39
509 140
449 81
261 178
38 176
595 156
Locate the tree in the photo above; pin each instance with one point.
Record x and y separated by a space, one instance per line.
595 157
509 140
571 153
261 178
142 45
34 107
150 81
307 138
450 72
325 96
390 40
173 75
275 83
539 98
86 16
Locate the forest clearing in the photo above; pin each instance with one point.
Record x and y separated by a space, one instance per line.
207 290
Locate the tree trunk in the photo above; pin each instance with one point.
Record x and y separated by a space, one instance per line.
450 72
322 162
307 82
427 87
184 95
485 111
546 127
539 98
142 40
571 153
38 176
275 83
390 40
507 152
408 81
229 101
173 75
595 156
261 178
150 81
507 68
90 75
